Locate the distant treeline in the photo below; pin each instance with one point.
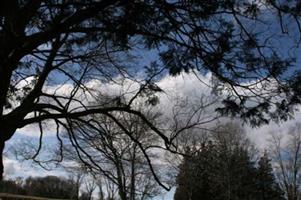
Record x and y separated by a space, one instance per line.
49 187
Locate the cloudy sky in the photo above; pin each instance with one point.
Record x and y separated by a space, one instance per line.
187 87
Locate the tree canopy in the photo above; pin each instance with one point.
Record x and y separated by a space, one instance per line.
46 44
224 167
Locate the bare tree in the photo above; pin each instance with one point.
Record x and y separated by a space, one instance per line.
48 43
127 155
89 188
107 189
77 177
286 155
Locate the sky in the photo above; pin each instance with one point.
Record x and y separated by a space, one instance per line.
185 90
175 89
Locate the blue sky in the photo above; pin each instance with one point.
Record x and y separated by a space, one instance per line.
181 86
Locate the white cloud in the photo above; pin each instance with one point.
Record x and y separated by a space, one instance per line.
185 87
14 168
261 135
10 167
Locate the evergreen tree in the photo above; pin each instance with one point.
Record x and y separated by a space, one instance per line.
54 42
204 170
224 169
236 169
235 174
184 179
212 173
267 187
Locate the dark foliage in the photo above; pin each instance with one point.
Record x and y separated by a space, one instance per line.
11 186
51 187
51 42
221 170
266 185
48 187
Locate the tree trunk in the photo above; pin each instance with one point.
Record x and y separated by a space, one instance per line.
2 145
133 174
121 184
